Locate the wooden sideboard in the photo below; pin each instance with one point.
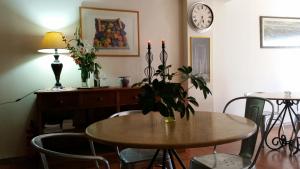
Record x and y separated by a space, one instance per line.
56 105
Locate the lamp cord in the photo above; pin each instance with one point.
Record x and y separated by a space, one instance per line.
19 99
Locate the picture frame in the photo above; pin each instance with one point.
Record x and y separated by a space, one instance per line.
113 32
200 56
279 32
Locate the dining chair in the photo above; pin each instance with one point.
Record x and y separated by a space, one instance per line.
130 157
247 157
38 144
266 116
295 133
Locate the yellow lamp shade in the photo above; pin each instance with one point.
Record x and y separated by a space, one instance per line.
52 41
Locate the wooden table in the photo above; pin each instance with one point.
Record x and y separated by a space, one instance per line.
288 100
150 131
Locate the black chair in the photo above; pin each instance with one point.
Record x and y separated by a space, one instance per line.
38 144
130 157
247 157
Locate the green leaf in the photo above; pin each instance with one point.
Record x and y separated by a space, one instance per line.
193 101
190 69
194 82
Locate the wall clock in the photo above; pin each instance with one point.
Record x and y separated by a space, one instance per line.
201 16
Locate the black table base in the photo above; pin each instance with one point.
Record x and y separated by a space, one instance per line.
166 152
281 140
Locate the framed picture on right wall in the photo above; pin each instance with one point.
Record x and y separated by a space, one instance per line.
279 32
200 56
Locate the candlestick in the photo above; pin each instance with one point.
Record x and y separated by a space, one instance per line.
163 59
149 44
149 70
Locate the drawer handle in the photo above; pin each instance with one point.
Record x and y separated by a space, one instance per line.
61 101
99 98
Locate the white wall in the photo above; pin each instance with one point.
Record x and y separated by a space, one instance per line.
239 64
22 69
204 104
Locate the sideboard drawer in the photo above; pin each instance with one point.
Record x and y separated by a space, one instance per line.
98 99
84 106
129 97
58 101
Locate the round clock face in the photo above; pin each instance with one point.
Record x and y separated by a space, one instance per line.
201 16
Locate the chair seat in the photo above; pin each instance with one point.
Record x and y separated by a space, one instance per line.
219 161
133 155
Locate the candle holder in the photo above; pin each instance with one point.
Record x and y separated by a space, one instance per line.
149 70
163 58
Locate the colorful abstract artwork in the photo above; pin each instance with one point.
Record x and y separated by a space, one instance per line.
110 33
113 32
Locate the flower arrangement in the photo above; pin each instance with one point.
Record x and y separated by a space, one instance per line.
165 96
83 55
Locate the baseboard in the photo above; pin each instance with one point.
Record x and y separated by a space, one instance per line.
20 159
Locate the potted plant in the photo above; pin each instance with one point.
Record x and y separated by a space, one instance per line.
159 93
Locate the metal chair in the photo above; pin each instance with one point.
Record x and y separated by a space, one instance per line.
247 157
130 157
294 135
37 143
266 116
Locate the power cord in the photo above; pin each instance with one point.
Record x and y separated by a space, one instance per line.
19 99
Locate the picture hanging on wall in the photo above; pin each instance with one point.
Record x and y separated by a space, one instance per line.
200 56
112 32
279 32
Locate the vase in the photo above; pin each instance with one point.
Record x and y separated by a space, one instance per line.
85 78
169 119
124 81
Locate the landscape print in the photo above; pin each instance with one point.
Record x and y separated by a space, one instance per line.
280 32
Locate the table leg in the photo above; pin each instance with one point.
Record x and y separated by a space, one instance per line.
164 159
171 152
178 159
153 159
171 159
281 139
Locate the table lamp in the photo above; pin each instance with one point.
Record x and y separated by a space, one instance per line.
53 43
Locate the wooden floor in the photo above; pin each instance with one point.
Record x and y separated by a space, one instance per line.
267 160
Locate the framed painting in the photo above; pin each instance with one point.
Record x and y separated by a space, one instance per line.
279 32
112 32
200 56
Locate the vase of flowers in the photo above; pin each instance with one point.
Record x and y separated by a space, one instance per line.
159 93
83 55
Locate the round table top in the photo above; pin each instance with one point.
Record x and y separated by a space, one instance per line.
150 131
277 95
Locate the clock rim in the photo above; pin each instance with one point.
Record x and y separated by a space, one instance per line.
190 21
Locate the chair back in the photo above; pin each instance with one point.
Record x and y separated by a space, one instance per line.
37 143
125 113
254 108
